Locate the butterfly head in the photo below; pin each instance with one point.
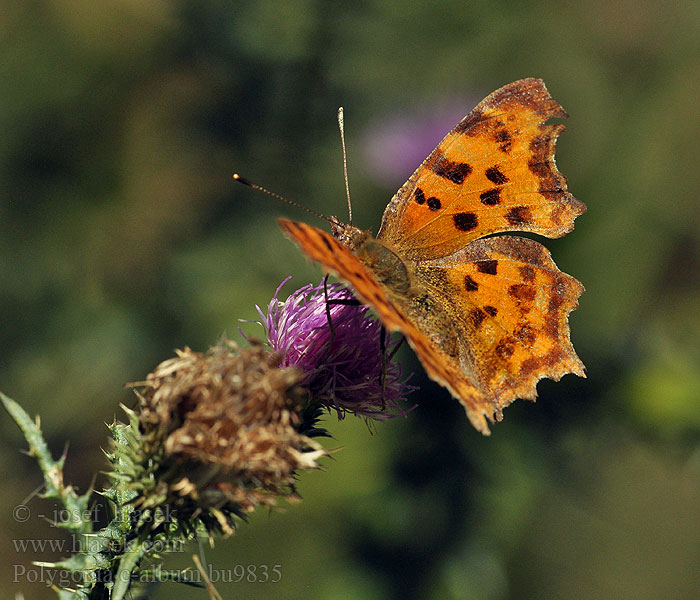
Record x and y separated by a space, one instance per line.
348 235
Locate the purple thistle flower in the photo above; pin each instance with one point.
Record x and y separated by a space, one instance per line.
345 376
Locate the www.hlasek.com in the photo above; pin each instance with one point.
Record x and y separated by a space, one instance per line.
63 578
88 544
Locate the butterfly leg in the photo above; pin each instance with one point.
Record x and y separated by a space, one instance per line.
329 302
382 353
386 359
396 349
328 312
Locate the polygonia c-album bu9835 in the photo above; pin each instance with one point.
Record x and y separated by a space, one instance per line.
487 316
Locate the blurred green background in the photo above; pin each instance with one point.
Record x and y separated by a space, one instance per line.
122 237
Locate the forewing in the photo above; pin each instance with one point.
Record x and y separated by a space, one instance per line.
494 172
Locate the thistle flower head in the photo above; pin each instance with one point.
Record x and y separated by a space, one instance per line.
346 368
220 434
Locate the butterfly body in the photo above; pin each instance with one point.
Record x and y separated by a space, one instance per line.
386 265
487 316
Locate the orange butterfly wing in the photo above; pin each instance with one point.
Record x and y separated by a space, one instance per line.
510 303
494 172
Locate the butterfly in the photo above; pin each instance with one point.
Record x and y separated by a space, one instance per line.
487 316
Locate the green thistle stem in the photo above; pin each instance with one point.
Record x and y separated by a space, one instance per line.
75 505
121 497
95 556
136 551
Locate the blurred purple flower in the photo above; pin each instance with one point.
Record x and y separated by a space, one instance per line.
344 376
396 145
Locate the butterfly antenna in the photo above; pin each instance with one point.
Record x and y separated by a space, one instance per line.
341 126
260 188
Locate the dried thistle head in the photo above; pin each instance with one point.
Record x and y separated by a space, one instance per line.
221 433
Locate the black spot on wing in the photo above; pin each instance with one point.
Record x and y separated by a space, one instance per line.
491 197
495 175
503 138
490 267
455 172
434 203
502 135
491 310
469 284
519 215
465 221
477 317
521 292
